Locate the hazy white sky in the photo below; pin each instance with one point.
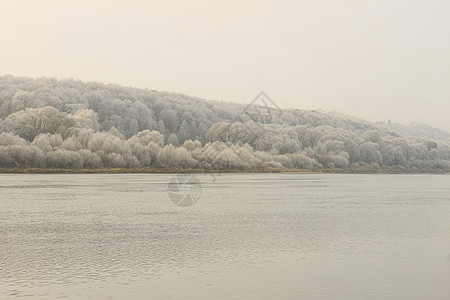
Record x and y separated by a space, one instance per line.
374 59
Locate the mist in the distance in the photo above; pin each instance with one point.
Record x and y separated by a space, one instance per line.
372 59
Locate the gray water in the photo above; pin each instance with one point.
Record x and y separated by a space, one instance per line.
249 236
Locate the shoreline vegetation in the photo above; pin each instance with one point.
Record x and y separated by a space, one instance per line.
359 170
66 126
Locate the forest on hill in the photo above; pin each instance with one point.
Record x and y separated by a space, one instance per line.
69 124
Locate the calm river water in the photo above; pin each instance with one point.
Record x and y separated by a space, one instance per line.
248 236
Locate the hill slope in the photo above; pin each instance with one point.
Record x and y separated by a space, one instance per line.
50 123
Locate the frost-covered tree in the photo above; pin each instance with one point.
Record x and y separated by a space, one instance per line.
30 122
172 140
47 122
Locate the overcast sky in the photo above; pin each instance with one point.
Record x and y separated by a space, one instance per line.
375 59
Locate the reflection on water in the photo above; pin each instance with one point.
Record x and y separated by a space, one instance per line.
250 236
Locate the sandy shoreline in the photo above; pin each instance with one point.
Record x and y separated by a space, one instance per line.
361 170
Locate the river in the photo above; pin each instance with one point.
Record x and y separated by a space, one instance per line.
225 236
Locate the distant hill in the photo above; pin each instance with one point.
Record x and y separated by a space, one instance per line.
51 123
419 130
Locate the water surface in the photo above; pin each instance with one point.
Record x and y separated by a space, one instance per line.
250 236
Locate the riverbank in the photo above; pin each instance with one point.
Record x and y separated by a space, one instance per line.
350 170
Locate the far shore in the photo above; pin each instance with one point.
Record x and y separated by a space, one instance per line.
354 170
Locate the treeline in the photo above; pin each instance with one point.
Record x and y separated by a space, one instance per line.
49 123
